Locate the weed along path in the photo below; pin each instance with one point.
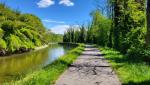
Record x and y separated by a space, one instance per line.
89 69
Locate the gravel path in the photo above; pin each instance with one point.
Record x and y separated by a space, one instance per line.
89 69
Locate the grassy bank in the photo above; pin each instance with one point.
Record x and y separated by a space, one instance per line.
130 72
50 74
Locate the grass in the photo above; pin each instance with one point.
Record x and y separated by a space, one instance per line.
51 73
129 71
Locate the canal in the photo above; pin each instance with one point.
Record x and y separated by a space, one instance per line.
14 66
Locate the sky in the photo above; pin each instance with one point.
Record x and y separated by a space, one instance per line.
56 15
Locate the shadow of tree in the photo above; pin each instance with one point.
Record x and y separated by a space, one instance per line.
99 55
122 59
139 83
119 60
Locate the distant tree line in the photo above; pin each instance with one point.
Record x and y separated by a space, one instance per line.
75 34
97 32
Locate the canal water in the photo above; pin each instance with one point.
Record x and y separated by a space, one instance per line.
12 67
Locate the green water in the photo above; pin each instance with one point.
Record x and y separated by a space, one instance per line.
12 67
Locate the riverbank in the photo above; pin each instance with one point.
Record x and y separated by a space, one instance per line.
130 72
6 54
50 73
41 47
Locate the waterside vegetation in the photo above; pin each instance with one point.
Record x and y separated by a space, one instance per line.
22 32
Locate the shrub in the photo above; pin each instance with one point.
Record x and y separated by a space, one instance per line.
27 33
2 44
8 26
139 53
13 42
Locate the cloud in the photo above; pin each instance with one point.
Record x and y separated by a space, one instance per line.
60 29
45 3
66 2
53 21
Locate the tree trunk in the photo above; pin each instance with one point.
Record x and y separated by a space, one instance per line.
148 23
116 23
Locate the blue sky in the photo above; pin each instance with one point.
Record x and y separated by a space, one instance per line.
56 15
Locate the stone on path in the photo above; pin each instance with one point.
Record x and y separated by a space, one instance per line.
89 69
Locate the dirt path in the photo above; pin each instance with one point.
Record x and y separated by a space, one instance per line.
89 69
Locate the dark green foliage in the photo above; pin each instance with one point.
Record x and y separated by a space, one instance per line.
147 40
140 53
129 24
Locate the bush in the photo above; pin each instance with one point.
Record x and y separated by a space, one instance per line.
14 43
37 42
27 33
2 44
8 26
139 53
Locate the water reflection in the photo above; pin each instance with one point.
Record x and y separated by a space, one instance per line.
12 66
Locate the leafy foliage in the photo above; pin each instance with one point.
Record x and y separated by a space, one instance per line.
22 31
100 28
2 44
14 43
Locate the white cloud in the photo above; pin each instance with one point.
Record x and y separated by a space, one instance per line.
45 3
53 21
60 29
66 2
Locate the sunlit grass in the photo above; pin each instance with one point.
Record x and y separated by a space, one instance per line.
130 72
50 74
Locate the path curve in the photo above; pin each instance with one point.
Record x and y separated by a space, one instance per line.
89 69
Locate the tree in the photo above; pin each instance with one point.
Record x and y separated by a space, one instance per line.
148 23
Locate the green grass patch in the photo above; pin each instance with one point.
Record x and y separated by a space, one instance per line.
129 71
50 73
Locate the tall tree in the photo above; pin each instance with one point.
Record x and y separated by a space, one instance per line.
148 22
117 20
